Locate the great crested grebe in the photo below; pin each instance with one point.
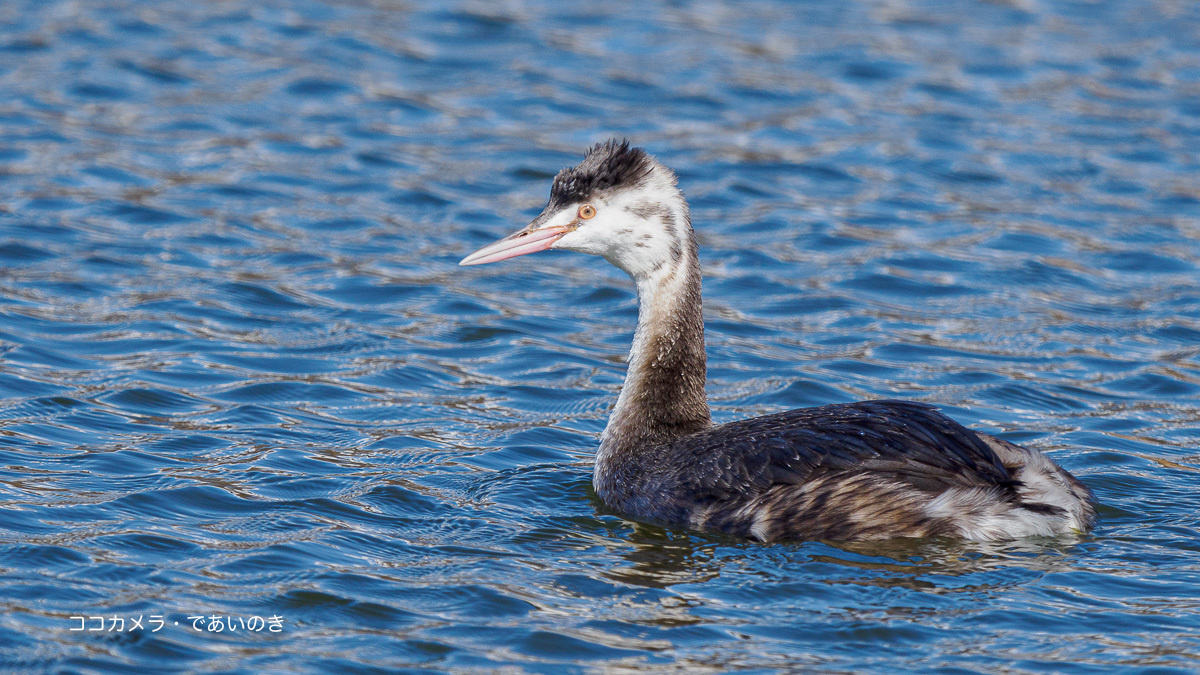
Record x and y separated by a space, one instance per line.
852 471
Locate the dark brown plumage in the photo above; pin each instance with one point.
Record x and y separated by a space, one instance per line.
844 471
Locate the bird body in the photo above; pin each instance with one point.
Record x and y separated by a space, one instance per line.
850 471
868 470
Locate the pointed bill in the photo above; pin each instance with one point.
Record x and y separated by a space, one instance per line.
527 240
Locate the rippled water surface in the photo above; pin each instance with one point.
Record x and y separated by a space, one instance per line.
242 376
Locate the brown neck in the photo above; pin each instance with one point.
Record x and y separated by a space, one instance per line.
663 397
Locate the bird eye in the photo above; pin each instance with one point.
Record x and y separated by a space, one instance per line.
587 212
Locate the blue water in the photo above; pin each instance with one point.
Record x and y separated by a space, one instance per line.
242 377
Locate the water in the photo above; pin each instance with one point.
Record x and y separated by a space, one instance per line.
242 376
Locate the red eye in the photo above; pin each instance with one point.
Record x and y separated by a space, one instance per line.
587 212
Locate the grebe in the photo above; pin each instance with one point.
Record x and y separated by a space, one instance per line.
853 471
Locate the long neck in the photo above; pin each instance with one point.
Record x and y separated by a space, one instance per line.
663 397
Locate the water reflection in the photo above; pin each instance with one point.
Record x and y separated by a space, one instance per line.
660 558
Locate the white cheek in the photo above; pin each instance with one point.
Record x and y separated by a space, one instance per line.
592 237
645 254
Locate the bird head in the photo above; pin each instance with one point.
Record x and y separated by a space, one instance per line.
618 203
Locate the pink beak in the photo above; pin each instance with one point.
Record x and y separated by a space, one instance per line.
527 240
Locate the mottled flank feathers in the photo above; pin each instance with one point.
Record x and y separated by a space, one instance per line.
852 471
607 166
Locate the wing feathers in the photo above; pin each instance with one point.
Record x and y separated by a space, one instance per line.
908 442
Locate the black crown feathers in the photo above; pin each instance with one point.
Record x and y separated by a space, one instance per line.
606 166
